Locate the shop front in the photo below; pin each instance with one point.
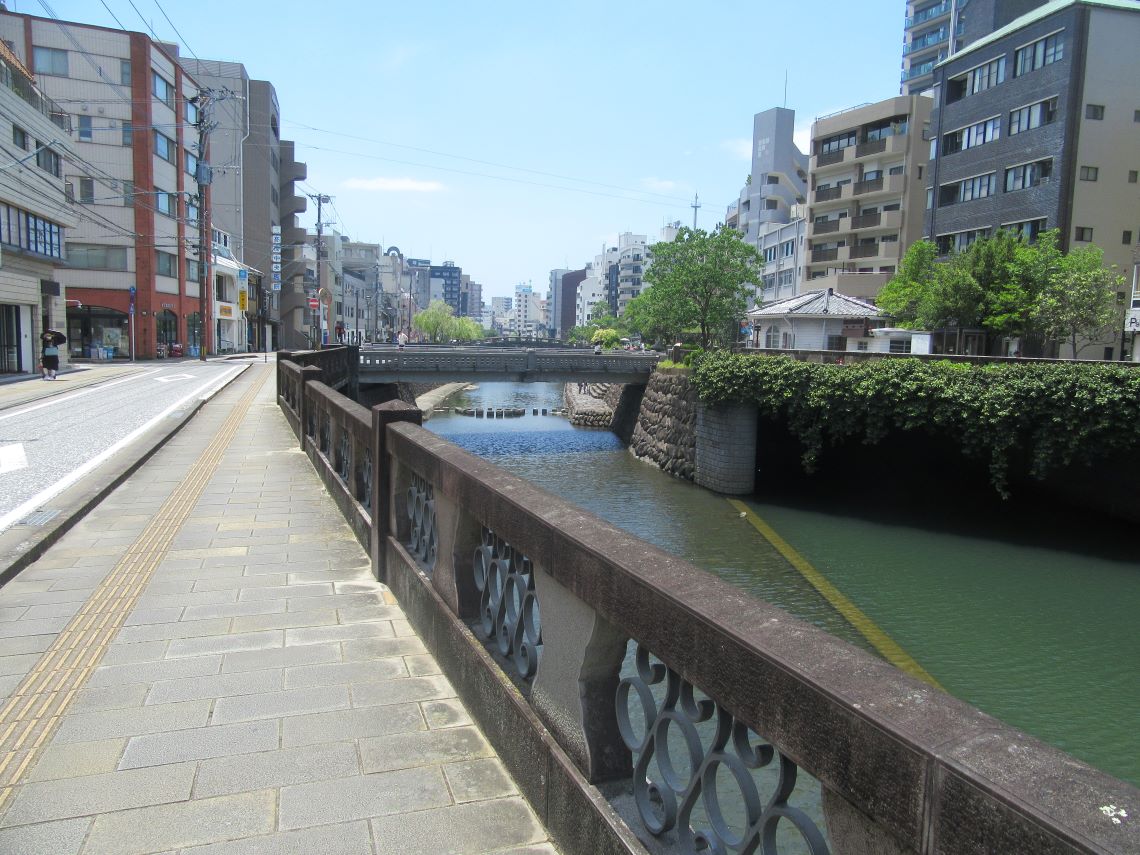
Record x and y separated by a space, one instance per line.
98 332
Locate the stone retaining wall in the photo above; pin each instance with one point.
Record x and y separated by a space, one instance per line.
589 408
665 433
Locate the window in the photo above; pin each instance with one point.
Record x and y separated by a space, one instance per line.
769 254
1133 174
1136 115
125 72
896 170
166 203
1033 116
1084 234
46 159
165 147
47 60
85 128
1028 229
1094 111
1027 175
773 179
162 90
95 256
972 136
87 191
166 264
1039 54
19 137
1089 173
128 134
959 241
192 114
128 193
1126 238
1108 351
977 187
275 162
899 345
788 248
193 270
978 80
191 164
274 196
837 142
771 204
772 338
787 277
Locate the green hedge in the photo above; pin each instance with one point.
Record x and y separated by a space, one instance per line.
1048 414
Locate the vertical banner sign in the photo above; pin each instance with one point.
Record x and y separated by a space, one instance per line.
275 257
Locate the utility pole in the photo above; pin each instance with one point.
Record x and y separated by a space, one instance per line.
320 199
205 243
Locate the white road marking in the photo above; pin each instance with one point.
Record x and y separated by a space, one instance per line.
204 391
170 378
63 399
12 457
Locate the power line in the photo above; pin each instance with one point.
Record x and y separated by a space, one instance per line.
113 15
185 43
150 29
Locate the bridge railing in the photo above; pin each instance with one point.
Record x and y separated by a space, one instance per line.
642 704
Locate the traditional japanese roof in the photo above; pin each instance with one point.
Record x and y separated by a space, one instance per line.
821 304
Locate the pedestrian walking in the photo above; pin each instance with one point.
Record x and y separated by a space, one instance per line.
49 355
402 339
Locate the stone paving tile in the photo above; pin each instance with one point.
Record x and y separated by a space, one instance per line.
346 799
277 704
130 654
77 759
446 713
466 828
421 665
336 601
234 582
353 724
401 691
325 634
108 724
339 673
216 686
286 620
153 829
109 698
349 838
281 592
165 631
181 601
368 649
20 664
145 617
13 612
230 610
181 648
57 838
18 628
279 768
364 614
52 610
148 672
93 794
476 780
284 657
200 743
418 748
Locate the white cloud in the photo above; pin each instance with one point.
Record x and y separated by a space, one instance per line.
658 185
740 148
801 136
394 185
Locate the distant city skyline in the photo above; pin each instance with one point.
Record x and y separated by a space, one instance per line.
527 139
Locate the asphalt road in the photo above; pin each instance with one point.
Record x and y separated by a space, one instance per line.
48 444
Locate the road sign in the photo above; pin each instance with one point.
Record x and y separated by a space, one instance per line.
314 303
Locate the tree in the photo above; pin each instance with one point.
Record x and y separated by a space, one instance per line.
639 318
702 281
909 287
434 322
606 337
1079 299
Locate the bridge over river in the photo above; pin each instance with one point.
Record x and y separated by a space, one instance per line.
426 364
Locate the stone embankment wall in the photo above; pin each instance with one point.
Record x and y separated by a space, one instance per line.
665 433
588 408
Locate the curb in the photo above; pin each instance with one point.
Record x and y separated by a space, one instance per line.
20 547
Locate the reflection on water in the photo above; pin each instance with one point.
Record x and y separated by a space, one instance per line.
1042 638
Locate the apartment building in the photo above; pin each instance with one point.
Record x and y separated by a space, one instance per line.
632 260
770 211
868 180
1036 128
133 164
563 300
253 198
929 24
34 217
361 264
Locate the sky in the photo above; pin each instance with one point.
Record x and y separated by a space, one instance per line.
516 137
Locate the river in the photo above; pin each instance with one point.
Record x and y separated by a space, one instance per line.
1029 616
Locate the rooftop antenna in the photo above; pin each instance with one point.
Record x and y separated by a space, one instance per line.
696 204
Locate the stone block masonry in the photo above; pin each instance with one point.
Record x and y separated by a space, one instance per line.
665 433
726 448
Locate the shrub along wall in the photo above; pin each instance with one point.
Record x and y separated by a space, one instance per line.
1045 416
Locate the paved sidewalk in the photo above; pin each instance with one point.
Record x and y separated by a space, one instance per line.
205 665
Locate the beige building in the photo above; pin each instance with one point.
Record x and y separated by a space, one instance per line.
33 218
868 180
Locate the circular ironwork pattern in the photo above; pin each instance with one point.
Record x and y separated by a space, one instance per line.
508 605
343 455
421 513
666 801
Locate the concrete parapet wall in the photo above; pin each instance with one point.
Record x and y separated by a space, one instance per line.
665 433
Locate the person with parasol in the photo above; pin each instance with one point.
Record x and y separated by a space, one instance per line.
49 357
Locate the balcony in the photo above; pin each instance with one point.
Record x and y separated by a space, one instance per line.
925 15
866 221
865 149
861 188
867 251
890 185
830 157
828 194
826 227
820 255
294 172
926 42
291 205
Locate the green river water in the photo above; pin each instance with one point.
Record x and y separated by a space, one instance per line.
1032 618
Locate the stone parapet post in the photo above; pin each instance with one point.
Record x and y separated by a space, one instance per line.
382 498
